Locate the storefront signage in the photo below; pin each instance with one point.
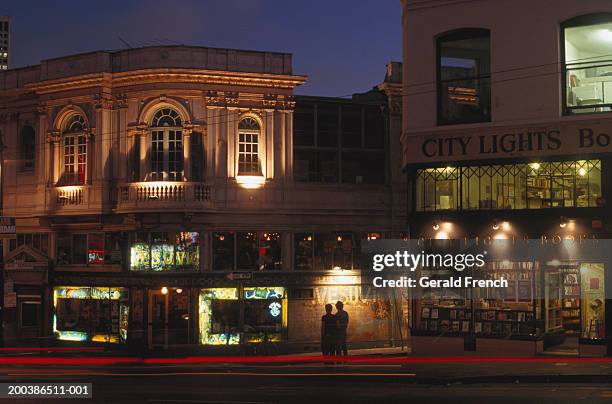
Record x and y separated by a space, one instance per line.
7 225
559 139
239 276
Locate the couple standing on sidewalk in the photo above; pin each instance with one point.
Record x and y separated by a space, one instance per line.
333 330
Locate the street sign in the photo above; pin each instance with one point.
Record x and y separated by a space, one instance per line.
239 276
7 225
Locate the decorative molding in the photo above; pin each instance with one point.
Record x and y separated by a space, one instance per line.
120 101
270 100
287 103
53 136
103 101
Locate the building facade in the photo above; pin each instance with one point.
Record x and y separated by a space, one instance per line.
506 135
5 35
184 196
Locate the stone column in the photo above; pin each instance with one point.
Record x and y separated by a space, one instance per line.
211 142
54 140
279 144
143 154
187 133
267 160
289 145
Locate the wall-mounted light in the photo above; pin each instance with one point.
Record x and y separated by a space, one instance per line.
179 290
436 226
535 166
250 181
164 290
495 226
563 223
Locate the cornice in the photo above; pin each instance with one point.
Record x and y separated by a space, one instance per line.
167 75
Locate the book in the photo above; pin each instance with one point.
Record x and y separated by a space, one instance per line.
434 313
425 312
465 326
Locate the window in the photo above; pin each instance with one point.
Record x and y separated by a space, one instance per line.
75 151
86 248
29 314
37 241
349 145
464 92
587 45
324 251
97 314
164 251
27 145
561 184
248 147
166 146
246 251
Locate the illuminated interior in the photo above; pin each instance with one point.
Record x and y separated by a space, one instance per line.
588 67
94 314
257 315
166 253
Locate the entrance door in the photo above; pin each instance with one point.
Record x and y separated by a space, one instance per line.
158 319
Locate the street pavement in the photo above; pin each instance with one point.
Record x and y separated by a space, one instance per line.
371 377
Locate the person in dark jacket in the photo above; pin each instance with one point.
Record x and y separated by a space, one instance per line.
329 332
342 318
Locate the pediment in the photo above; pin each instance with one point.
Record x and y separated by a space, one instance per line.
27 255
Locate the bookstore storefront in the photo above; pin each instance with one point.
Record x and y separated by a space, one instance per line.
554 305
511 183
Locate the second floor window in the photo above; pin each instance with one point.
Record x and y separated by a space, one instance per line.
587 42
464 77
27 144
74 143
248 147
166 146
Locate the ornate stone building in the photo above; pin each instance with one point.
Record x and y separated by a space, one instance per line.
157 203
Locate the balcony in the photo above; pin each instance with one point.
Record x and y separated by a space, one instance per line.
163 195
69 199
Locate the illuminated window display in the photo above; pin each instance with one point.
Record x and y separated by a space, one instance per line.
563 184
96 314
165 251
228 317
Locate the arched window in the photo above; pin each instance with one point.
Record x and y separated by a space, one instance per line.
248 147
587 63
74 141
27 147
166 146
464 76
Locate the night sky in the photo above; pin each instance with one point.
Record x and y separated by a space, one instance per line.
342 45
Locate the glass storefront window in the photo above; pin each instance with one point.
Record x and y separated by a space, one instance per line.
228 318
593 299
514 186
164 251
97 314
